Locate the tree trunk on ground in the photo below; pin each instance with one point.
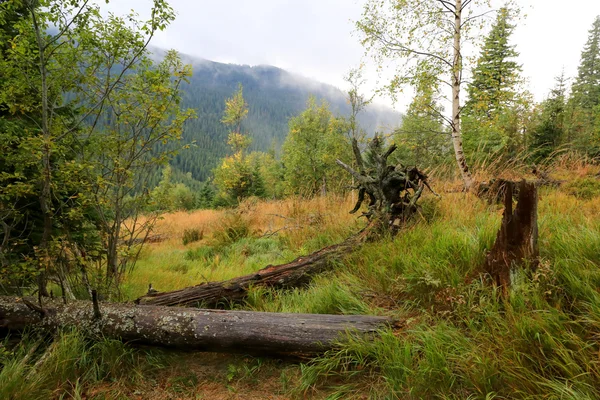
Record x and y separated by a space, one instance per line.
293 274
517 240
193 329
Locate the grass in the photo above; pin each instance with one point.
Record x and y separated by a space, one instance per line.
459 339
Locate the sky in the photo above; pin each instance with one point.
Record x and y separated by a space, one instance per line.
317 38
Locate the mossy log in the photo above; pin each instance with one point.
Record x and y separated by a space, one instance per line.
517 240
192 329
284 276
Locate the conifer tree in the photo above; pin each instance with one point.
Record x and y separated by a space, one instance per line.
586 88
550 126
495 106
584 104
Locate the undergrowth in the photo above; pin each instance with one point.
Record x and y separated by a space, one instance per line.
458 338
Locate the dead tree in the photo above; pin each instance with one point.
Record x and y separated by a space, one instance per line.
284 276
393 190
192 329
517 240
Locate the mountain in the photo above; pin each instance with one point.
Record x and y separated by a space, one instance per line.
273 96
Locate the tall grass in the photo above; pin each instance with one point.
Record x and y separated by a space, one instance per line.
458 337
68 364
462 339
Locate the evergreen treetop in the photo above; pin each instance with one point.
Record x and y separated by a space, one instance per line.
496 73
586 89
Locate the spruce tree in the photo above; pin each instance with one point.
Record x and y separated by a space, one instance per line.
583 131
550 126
496 74
586 89
493 111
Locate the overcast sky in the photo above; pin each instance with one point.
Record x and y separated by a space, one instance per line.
316 38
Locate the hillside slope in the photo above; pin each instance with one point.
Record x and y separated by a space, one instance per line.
273 95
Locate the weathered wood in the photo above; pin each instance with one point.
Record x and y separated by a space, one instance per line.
193 329
393 190
290 275
517 240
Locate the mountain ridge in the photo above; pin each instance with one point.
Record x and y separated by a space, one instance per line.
273 94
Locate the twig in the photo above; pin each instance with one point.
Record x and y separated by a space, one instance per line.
97 314
34 307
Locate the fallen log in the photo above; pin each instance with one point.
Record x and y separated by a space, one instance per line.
517 240
284 276
192 329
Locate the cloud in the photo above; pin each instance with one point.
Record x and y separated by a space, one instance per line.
314 37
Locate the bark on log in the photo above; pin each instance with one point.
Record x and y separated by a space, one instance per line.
517 239
193 329
284 276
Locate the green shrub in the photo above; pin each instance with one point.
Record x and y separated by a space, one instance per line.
584 188
192 235
233 228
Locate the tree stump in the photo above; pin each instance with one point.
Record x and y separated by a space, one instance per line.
393 190
517 240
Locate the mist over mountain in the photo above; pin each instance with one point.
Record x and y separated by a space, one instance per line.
273 96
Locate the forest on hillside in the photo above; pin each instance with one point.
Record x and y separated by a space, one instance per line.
454 255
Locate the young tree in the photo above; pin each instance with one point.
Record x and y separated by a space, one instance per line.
237 177
428 37
236 110
422 137
97 108
357 101
549 129
496 109
315 140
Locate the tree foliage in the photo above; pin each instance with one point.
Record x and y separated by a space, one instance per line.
315 140
497 107
238 176
549 129
427 38
422 138
584 104
87 109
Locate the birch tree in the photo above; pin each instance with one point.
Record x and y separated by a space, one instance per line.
426 38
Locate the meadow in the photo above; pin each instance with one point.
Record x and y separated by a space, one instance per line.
458 339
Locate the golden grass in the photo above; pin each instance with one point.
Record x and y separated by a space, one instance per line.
304 225
294 220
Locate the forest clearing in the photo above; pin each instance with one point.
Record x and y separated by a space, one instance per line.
458 339
212 225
